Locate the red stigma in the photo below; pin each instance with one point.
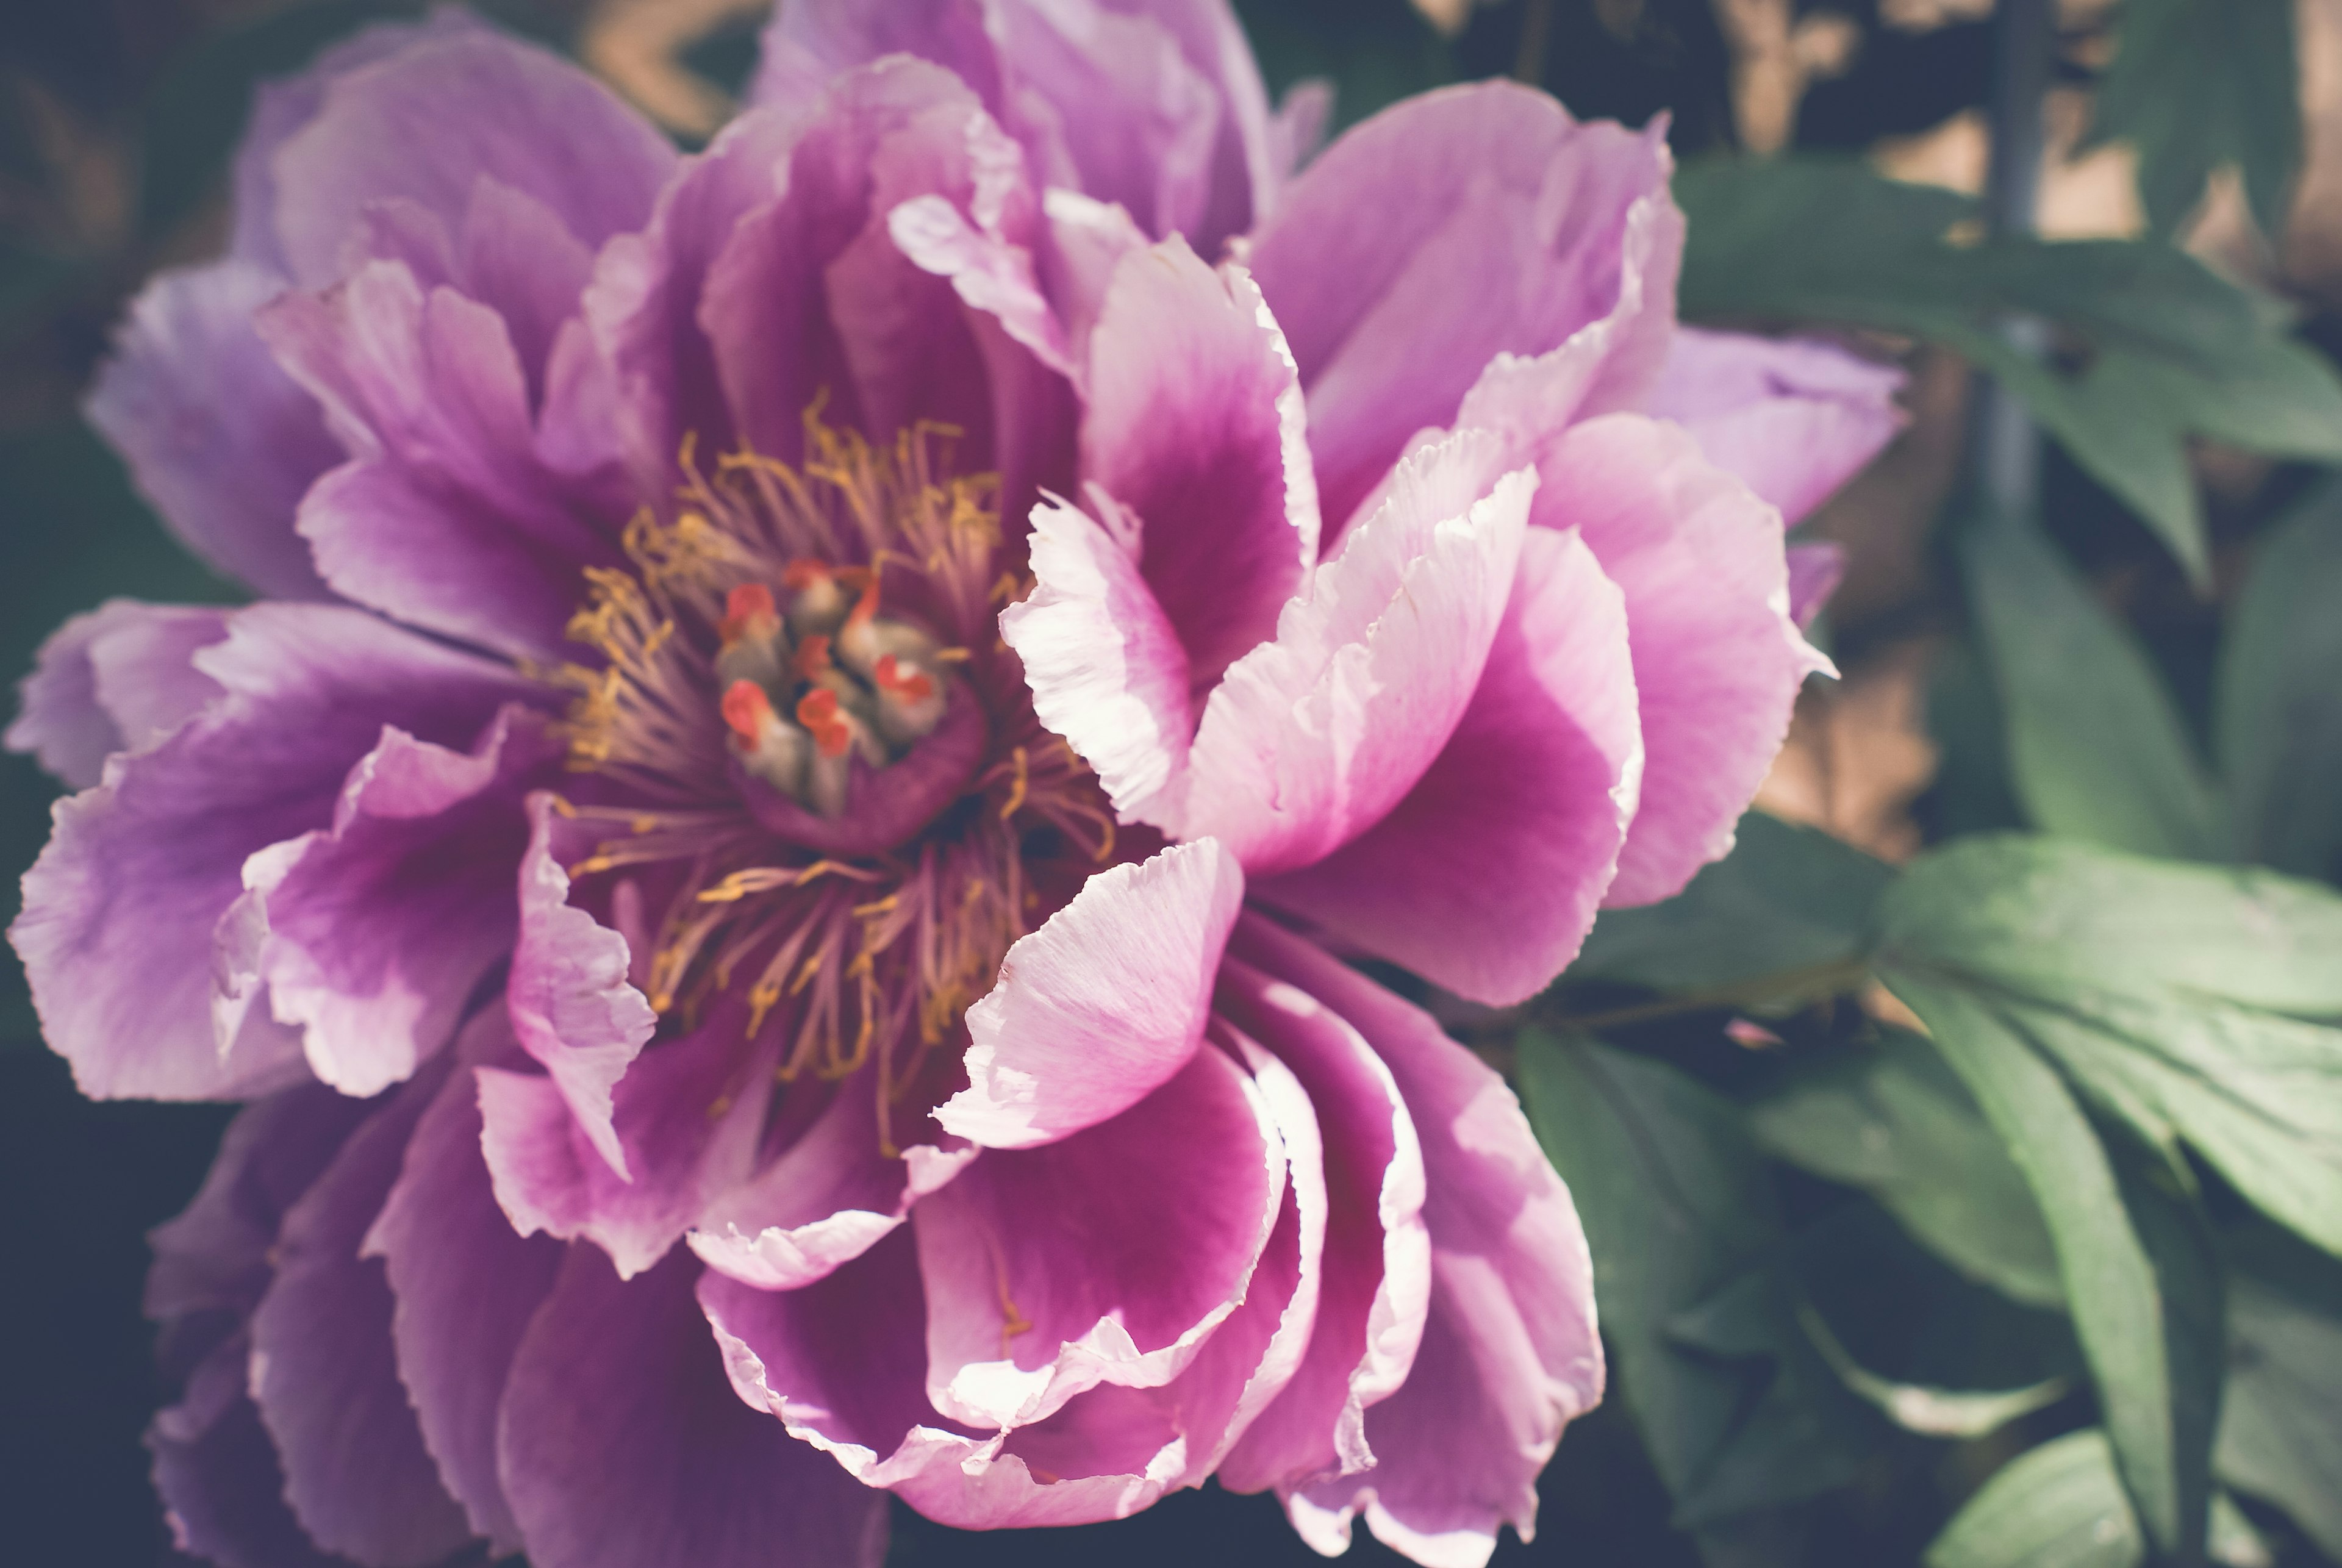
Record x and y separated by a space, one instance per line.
818 712
746 709
812 658
913 687
744 607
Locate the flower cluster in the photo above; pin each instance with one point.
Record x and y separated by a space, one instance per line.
773 861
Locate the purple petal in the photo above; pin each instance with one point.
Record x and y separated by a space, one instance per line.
116 679
1815 571
1457 225
324 1374
222 1488
220 441
1101 1004
623 1444
117 935
1509 1354
1794 417
465 1286
1313 737
1486 876
1194 422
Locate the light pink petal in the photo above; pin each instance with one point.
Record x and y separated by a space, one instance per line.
1486 876
466 1284
1455 227
1106 667
1108 1256
117 679
1793 417
217 437
1718 660
1311 738
1815 571
573 1008
622 1445
1376 1265
324 1374
1194 422
1087 240
1101 1004
1509 1354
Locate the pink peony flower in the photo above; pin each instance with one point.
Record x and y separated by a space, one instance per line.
735 1023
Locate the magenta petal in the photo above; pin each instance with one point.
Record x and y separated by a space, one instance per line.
117 679
1486 876
466 1285
1793 417
572 1006
1311 738
1509 1354
1376 1267
1101 1004
121 911
1814 572
220 439
324 1376
1195 423
1718 661
1453 227
624 1446
1106 667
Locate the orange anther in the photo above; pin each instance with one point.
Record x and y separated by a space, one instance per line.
748 608
812 658
746 709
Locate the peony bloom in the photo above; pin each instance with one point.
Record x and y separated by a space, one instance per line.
772 861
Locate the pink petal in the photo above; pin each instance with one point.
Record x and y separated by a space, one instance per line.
1194 423
117 679
1101 1004
1311 738
1486 876
1794 417
1814 572
1149 1227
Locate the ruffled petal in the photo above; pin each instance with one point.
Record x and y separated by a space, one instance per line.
1793 417
1101 1004
1453 227
220 441
622 1445
466 1285
1486 876
216 1472
127 934
1509 1353
324 1373
1313 737
117 679
1194 422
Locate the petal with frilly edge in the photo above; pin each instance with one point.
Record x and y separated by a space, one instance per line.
118 678
1446 230
1486 876
217 1473
1101 1004
1149 1228
466 1285
217 437
1194 422
622 1445
1509 1354
1718 660
1793 417
1312 737
121 912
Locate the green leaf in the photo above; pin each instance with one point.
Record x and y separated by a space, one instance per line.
2278 1437
1894 1121
1787 900
2170 348
2060 1506
2158 1387
1918 1407
2095 750
2277 722
2197 85
2195 1002
1679 1215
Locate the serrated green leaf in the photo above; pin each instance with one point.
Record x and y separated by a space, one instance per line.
2060 1506
2095 751
1894 1121
2197 85
2278 1436
2277 721
1787 900
2129 1298
1679 1216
